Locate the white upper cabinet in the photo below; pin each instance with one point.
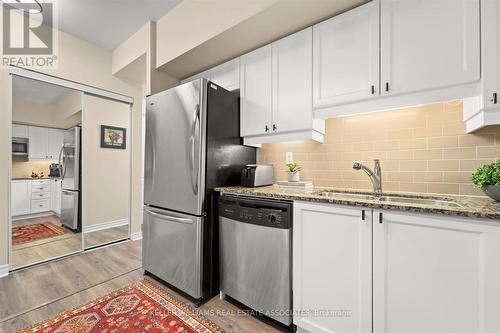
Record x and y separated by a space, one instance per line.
45 143
346 57
435 274
276 92
56 140
255 91
39 143
19 131
226 75
332 268
429 44
292 82
484 109
491 53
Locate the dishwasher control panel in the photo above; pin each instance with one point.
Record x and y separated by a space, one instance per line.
270 213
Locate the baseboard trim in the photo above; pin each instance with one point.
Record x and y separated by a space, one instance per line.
31 216
4 270
136 236
104 226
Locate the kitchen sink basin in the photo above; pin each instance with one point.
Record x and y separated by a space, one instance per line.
420 201
388 198
343 195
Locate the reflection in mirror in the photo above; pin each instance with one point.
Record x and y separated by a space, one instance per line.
45 188
106 236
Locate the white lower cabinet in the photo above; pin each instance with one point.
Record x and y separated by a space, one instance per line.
427 272
332 268
35 196
20 197
55 196
435 274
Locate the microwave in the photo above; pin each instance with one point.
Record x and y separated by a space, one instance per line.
20 147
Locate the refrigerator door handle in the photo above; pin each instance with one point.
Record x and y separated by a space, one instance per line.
193 142
62 170
168 218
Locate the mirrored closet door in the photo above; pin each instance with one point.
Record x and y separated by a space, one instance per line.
106 169
46 172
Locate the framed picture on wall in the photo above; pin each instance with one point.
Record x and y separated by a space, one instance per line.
113 137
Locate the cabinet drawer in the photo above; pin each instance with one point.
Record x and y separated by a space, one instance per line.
38 206
40 195
40 188
40 182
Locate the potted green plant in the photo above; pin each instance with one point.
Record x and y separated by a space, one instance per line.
293 172
487 178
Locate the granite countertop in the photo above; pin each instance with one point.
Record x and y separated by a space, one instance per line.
30 178
480 207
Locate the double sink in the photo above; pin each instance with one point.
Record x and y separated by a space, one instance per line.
389 198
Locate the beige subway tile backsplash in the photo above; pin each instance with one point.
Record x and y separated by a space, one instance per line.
422 149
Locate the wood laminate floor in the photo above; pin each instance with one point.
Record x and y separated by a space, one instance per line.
47 248
37 293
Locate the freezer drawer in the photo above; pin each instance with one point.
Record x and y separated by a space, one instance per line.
69 209
172 248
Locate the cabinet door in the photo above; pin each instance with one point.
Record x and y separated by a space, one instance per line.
332 268
490 30
20 197
56 139
19 131
255 92
39 143
55 196
227 75
292 82
346 57
435 274
429 44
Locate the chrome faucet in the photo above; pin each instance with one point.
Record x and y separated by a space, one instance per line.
375 176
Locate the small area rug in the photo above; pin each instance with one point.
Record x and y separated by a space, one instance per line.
138 307
36 231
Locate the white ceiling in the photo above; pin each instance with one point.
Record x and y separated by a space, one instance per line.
37 91
108 23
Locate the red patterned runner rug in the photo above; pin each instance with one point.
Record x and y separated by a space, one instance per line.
138 307
33 232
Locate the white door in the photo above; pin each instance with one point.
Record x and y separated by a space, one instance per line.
19 131
428 44
227 75
346 56
56 140
20 197
435 274
39 142
332 268
292 82
255 92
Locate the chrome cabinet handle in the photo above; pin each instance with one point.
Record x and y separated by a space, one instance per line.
169 218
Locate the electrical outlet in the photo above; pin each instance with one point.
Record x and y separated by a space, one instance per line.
289 157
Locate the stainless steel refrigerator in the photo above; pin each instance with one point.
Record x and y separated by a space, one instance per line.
70 161
192 146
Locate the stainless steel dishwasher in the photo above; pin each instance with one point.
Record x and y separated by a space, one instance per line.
256 254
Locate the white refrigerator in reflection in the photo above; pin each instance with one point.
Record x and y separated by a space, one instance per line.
70 161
